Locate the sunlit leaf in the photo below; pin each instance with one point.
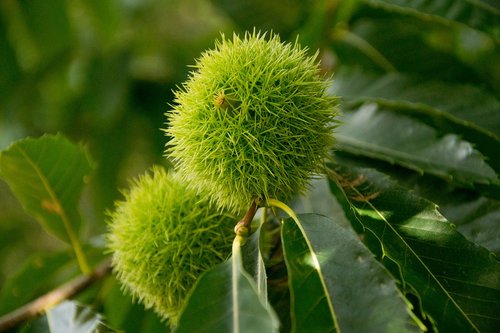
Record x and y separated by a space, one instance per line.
225 299
371 131
456 281
475 14
336 283
455 108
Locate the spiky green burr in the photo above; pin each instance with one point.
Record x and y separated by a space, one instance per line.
163 236
252 121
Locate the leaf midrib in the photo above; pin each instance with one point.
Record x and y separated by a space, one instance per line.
416 256
387 154
424 108
64 217
320 274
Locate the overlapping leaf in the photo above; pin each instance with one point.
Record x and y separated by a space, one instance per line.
386 135
456 108
475 14
336 284
461 104
456 281
477 219
225 299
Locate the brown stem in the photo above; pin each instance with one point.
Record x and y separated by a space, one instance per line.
244 226
61 293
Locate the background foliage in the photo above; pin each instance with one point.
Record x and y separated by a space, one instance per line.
420 88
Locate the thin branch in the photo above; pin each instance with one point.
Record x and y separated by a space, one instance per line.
244 226
61 293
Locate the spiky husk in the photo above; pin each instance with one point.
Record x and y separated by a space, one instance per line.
252 121
163 236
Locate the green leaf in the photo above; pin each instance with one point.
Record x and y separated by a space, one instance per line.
452 108
336 283
49 26
253 262
71 317
387 39
477 220
47 176
33 278
387 135
225 299
129 315
475 14
461 104
475 216
456 281
9 66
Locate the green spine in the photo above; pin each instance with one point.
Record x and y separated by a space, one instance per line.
163 236
252 121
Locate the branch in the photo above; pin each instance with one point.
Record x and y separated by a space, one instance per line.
244 226
61 293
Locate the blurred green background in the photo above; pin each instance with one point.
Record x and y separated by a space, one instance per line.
102 73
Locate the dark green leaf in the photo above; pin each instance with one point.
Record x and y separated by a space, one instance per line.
386 135
48 25
71 317
47 176
33 278
456 281
462 104
475 216
336 283
475 14
121 312
453 108
404 44
225 299
476 219
9 66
